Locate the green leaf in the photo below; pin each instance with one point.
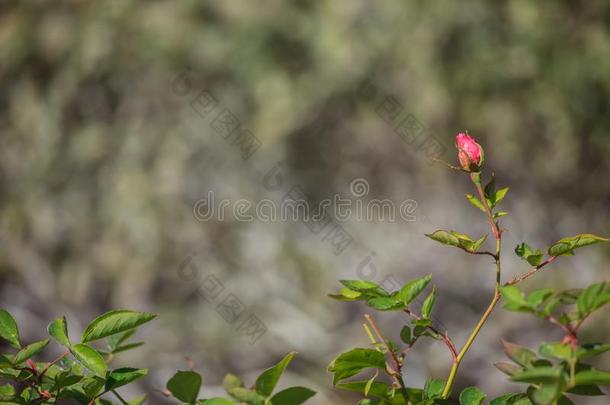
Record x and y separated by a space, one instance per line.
247 396
5 362
377 389
185 386
558 350
385 303
89 358
567 245
547 394
8 329
538 297
498 197
519 354
593 298
123 376
444 237
459 240
472 396
426 308
6 392
354 361
500 214
515 301
490 188
231 381
405 335
58 329
590 350
114 322
475 201
433 388
359 285
345 294
66 378
370 383
508 368
29 351
492 196
592 377
532 256
413 288
539 375
266 382
477 244
292 396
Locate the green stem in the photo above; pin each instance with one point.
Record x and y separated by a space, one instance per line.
469 342
476 179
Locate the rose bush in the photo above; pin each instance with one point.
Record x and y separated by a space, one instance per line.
555 374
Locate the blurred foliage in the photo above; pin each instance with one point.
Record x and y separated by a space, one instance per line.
101 161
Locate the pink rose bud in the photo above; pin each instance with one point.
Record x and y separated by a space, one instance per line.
470 153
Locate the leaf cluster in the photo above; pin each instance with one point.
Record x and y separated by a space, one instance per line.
186 385
82 374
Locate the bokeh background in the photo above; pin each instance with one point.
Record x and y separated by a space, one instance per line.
103 158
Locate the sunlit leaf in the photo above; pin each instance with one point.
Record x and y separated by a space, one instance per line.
89 358
58 329
266 382
123 376
567 245
29 351
413 288
114 322
472 396
354 361
8 329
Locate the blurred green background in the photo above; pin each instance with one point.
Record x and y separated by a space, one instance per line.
103 157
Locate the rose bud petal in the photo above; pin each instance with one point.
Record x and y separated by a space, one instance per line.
470 153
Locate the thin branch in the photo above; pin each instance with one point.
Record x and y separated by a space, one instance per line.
446 339
58 359
397 373
495 257
377 331
530 273
120 398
